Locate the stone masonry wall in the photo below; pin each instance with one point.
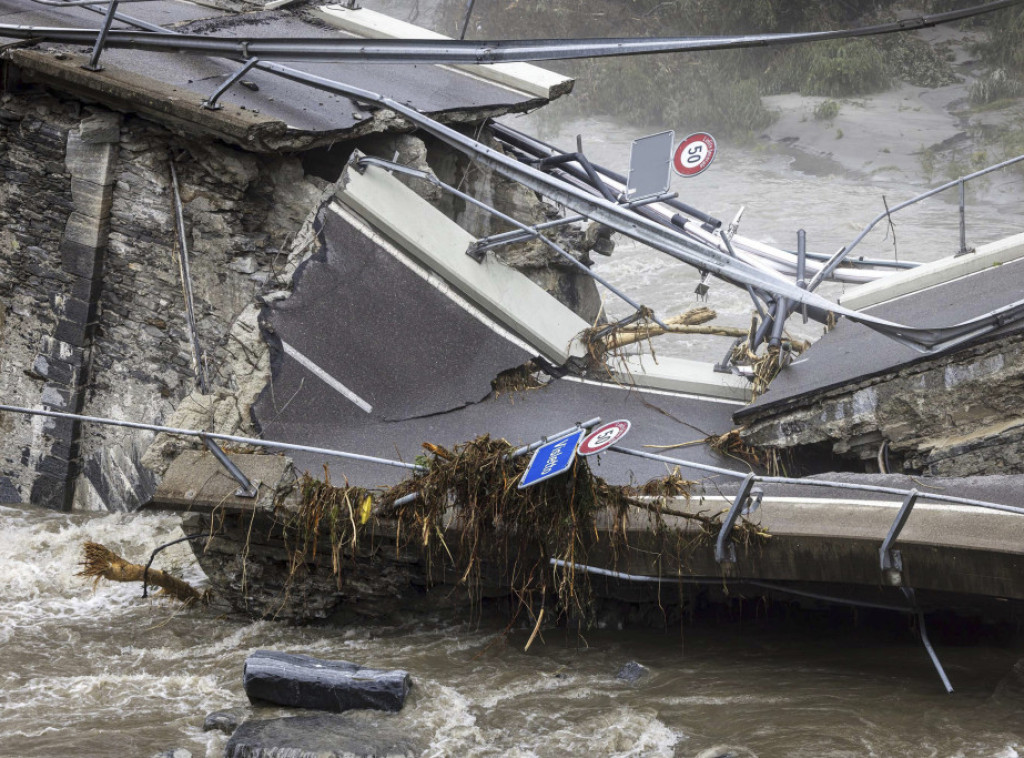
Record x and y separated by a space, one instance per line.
958 414
36 368
92 314
92 317
240 212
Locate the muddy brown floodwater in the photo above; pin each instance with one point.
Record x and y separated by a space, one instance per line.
99 672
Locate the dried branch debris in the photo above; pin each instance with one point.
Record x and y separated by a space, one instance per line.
475 528
102 562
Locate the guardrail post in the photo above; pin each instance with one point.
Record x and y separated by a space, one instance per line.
891 560
247 488
212 104
101 39
963 219
725 551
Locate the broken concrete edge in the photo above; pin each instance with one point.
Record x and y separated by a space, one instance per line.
768 410
680 375
196 481
955 415
933 274
180 110
126 91
440 244
506 294
523 77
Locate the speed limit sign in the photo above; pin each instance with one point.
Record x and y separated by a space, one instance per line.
694 154
603 437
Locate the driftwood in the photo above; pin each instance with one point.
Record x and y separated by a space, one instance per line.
102 562
684 323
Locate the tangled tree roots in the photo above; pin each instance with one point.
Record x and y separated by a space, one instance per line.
102 562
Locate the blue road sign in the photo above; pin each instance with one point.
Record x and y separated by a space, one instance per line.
552 459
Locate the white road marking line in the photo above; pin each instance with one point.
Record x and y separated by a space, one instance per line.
326 378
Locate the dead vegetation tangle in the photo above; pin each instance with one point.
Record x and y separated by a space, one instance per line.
475 528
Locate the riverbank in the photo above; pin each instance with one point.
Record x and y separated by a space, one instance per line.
920 135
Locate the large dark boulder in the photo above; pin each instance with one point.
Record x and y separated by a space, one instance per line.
322 736
304 682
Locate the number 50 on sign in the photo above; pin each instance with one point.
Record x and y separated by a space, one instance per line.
694 154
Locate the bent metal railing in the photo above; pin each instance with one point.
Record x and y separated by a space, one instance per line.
890 562
961 182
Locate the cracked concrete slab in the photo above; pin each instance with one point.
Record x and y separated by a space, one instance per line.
520 417
366 333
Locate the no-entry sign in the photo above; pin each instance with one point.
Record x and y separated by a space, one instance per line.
603 437
694 154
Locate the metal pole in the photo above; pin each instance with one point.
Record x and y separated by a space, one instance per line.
838 257
186 284
213 435
801 266
212 104
931 652
94 61
465 19
508 238
246 488
963 220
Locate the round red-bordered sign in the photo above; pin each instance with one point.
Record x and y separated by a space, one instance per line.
694 154
603 437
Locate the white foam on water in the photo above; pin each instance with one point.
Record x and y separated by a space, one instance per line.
43 551
621 732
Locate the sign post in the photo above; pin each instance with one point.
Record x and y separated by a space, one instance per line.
552 459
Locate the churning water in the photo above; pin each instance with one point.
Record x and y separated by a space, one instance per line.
98 672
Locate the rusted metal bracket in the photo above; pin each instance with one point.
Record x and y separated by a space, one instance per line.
211 104
890 559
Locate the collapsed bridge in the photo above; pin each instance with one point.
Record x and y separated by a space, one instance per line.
345 287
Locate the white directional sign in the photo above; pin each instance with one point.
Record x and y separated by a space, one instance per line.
604 437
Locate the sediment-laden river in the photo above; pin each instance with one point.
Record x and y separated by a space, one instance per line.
99 672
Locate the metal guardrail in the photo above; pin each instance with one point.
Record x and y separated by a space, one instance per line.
524 228
449 51
658 237
843 252
206 437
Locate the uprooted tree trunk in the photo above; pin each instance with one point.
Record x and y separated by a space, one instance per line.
101 561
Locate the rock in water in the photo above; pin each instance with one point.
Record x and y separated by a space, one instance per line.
304 682
632 672
321 736
224 721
